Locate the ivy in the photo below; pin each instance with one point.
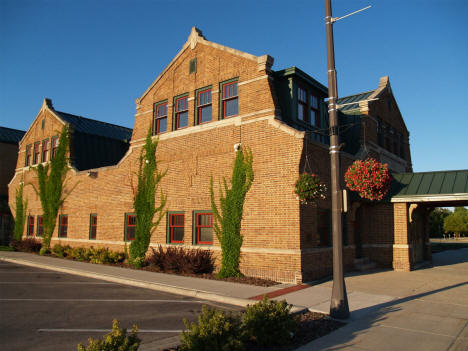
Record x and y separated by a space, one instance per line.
227 224
144 203
51 178
20 213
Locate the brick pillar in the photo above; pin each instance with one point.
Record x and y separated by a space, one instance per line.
401 247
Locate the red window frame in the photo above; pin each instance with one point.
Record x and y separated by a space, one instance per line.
130 223
40 228
174 223
181 106
230 92
315 110
93 227
27 161
203 100
302 101
45 150
37 152
54 146
63 227
199 224
30 225
160 113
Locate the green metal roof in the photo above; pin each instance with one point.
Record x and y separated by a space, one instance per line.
428 186
10 136
353 101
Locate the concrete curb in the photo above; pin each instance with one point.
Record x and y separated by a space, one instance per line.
199 294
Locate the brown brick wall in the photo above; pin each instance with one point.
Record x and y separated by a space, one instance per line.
8 156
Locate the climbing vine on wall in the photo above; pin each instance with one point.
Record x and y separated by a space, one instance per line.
20 212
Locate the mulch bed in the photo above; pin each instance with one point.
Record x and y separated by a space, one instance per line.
312 325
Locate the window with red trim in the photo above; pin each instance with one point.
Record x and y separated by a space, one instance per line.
55 142
27 161
40 228
93 226
30 230
63 226
176 228
181 112
204 228
130 226
160 118
37 152
302 114
45 150
204 109
230 99
314 111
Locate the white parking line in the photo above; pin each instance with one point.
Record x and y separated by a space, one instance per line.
59 283
106 300
105 330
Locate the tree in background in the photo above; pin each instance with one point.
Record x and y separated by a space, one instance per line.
436 221
144 204
457 222
20 212
227 224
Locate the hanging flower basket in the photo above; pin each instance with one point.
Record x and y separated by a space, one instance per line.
308 188
370 178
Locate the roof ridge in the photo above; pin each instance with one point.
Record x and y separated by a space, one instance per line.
94 120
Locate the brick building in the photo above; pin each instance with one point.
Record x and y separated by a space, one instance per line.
207 101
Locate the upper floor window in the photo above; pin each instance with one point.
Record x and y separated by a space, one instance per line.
45 150
63 226
93 226
203 228
160 118
181 112
230 99
175 227
27 161
314 111
204 110
302 105
30 228
54 142
40 227
37 152
130 226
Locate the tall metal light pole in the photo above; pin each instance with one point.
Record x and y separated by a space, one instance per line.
339 301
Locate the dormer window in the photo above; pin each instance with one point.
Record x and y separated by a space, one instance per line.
314 111
302 105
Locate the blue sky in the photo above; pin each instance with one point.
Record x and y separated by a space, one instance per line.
95 57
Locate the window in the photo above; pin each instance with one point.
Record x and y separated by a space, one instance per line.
45 150
160 118
63 226
181 112
204 110
36 152
230 99
30 229
54 142
27 161
314 111
92 226
302 105
203 227
323 227
175 227
130 224
40 228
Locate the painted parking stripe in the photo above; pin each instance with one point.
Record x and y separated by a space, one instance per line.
106 330
106 300
59 283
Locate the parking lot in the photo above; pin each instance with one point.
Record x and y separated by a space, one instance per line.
46 310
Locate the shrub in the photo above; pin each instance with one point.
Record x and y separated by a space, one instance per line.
26 245
269 322
215 330
117 340
180 260
61 251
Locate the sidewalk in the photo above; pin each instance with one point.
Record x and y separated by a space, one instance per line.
425 309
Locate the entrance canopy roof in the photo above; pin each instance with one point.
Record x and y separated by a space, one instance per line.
441 187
